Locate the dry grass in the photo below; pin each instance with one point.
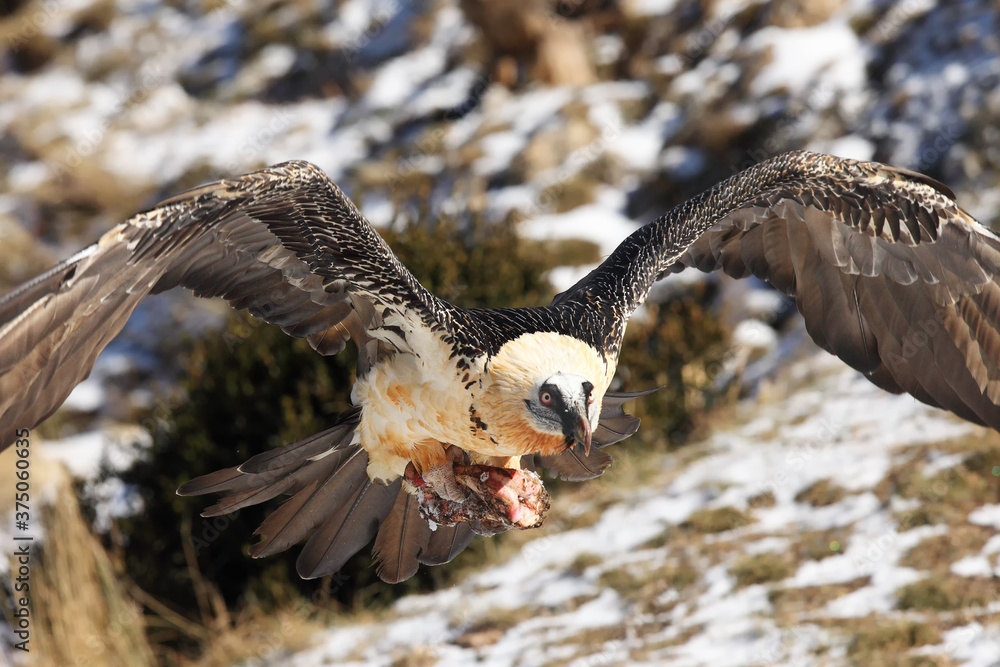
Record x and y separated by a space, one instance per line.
947 496
254 637
83 605
938 552
644 584
584 561
716 520
80 604
760 569
875 643
820 544
821 493
764 499
948 592
790 602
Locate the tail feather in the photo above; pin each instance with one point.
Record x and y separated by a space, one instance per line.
338 435
332 499
446 542
267 486
347 528
311 506
214 482
402 540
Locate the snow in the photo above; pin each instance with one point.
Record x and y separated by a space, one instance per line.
828 55
651 7
88 396
84 454
973 644
754 334
593 222
639 145
987 515
850 146
972 566
396 80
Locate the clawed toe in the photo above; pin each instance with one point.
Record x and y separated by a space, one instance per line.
442 479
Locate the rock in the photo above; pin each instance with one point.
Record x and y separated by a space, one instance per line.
523 34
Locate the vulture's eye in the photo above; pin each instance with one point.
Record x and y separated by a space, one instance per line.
545 398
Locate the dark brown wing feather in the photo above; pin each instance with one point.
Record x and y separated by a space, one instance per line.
889 273
282 243
924 315
347 526
403 538
334 501
446 543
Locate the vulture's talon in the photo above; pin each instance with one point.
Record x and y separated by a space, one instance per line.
441 478
497 499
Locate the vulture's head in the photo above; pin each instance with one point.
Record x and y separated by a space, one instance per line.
563 404
546 392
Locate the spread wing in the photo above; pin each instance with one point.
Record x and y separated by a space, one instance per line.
282 243
889 273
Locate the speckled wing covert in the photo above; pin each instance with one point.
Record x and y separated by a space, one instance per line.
282 243
890 274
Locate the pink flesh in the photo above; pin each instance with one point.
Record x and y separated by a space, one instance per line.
517 492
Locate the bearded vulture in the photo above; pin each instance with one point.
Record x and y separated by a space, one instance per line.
453 408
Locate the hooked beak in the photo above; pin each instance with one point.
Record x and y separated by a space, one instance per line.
581 434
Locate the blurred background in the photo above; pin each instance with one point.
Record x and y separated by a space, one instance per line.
774 508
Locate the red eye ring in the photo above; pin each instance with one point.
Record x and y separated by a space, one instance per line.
545 398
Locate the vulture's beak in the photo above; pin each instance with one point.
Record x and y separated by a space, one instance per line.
576 427
582 435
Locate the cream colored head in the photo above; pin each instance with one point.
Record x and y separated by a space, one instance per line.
550 384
